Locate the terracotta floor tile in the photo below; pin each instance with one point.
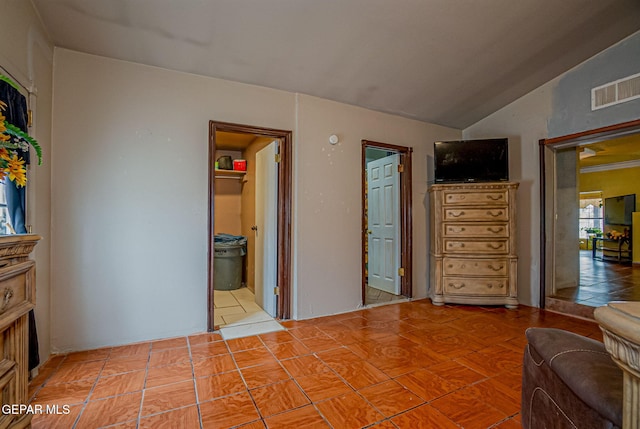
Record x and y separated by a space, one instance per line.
321 343
104 412
169 357
245 343
424 416
203 351
64 393
258 424
426 384
391 398
261 375
468 410
89 355
306 332
278 398
384 425
289 349
169 374
207 337
253 357
305 417
71 371
186 418
357 372
229 411
137 349
52 421
349 411
491 360
168 397
219 385
502 397
304 365
456 373
509 424
323 386
276 337
119 365
170 343
118 384
213 365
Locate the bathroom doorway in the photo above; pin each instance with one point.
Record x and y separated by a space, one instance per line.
249 207
386 222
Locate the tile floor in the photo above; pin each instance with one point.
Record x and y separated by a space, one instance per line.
404 365
603 281
233 307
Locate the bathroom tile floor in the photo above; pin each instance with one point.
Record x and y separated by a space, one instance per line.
404 365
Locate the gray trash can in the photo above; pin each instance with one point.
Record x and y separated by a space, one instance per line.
227 261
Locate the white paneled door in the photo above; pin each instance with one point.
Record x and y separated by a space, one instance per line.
266 233
383 186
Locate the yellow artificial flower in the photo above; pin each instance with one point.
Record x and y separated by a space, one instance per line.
4 154
3 137
16 170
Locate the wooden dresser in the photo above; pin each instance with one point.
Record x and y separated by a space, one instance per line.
473 244
17 297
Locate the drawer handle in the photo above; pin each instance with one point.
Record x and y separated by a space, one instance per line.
490 286
456 245
453 214
496 230
494 246
7 295
494 197
491 267
452 229
460 197
490 213
456 286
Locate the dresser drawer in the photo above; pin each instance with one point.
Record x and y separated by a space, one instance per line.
475 267
473 214
496 247
17 296
487 197
476 286
476 230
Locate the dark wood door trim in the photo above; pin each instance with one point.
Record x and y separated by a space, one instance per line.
406 229
570 140
284 212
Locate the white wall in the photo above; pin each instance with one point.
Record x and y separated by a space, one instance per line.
27 55
130 196
328 212
524 122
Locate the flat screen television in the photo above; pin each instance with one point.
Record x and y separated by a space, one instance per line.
619 210
484 160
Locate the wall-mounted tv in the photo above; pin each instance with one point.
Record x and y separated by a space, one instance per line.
618 210
484 160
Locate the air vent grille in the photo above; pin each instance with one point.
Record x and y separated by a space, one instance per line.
617 92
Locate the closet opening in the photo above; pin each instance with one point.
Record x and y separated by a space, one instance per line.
249 235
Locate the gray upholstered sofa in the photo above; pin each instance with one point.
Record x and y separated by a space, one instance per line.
569 381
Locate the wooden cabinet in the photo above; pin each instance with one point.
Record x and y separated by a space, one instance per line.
17 297
473 248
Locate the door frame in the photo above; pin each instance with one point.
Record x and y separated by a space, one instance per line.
566 141
284 213
406 234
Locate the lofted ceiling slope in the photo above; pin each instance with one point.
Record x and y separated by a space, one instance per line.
447 62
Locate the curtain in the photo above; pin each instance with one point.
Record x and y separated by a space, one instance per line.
17 114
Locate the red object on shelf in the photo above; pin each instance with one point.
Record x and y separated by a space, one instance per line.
240 164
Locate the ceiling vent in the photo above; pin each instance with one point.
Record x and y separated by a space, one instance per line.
617 92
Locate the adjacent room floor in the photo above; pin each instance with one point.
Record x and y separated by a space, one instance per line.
603 281
404 365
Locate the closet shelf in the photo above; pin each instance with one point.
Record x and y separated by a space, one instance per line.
230 174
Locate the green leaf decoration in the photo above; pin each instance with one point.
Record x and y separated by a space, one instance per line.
12 130
9 81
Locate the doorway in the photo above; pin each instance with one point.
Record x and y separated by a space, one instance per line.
264 190
587 259
386 223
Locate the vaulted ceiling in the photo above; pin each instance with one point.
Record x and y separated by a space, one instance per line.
448 62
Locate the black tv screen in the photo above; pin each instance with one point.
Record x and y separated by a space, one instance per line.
619 210
471 161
